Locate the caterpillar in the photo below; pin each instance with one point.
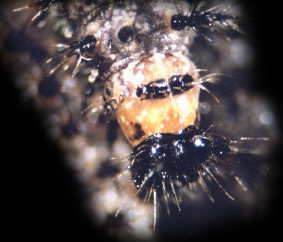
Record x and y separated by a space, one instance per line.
135 92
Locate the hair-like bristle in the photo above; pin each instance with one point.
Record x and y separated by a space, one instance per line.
126 87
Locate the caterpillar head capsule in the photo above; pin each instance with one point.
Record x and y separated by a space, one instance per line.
174 160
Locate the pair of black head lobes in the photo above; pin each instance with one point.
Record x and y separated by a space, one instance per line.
176 84
200 21
80 47
163 159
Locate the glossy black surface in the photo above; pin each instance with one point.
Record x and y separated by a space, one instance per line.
166 158
87 44
176 84
201 21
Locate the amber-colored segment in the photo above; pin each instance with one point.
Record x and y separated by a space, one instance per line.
141 118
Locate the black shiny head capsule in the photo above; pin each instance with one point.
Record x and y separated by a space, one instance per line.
175 83
153 90
167 162
179 22
187 82
141 91
196 20
77 49
179 84
87 44
161 88
203 22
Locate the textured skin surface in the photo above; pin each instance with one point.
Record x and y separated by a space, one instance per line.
98 151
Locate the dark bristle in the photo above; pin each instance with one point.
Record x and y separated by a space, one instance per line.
163 159
111 75
203 22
